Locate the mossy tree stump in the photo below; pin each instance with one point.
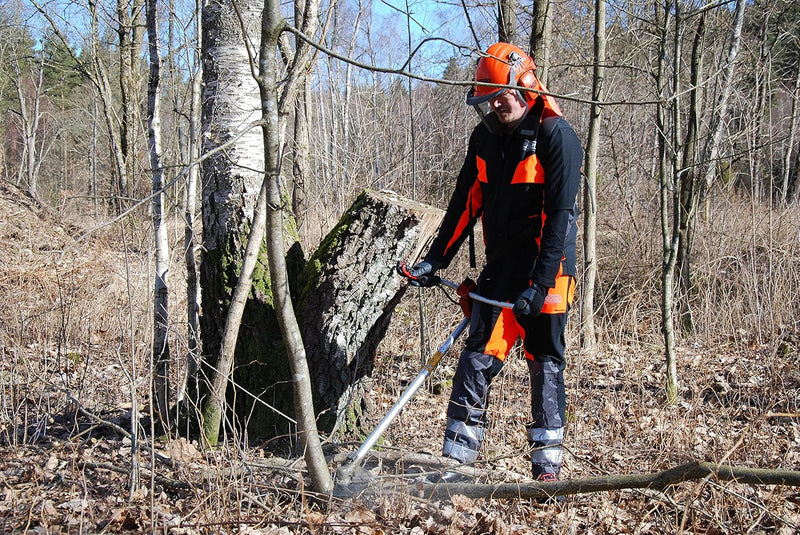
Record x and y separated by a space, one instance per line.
344 297
348 292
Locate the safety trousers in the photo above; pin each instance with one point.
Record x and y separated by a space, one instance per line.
492 334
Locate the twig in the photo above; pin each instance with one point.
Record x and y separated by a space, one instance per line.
162 480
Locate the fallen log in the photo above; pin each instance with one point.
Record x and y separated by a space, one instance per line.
658 481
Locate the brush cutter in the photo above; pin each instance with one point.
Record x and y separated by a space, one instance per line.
345 473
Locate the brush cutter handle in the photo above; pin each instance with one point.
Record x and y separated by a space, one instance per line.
402 269
478 297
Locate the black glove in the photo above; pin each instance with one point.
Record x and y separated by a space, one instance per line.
530 302
422 274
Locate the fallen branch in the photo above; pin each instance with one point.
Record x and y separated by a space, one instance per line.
658 480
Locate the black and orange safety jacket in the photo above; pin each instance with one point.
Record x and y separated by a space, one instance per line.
523 185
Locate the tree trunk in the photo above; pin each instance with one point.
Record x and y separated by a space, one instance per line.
161 354
687 180
29 116
190 213
300 157
99 76
129 34
668 237
232 181
720 111
541 36
296 96
272 24
507 21
590 199
349 290
795 121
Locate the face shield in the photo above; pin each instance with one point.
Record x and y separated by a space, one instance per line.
481 100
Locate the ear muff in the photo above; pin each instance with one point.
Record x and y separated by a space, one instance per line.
527 79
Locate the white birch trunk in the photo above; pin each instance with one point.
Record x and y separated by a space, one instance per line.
161 356
232 180
721 109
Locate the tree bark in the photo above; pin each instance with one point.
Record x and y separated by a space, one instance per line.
669 238
190 213
272 23
232 184
29 123
541 37
687 180
129 33
721 109
794 121
507 21
349 290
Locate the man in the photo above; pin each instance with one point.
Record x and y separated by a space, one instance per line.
521 177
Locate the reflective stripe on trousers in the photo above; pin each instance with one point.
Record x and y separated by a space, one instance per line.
461 441
546 454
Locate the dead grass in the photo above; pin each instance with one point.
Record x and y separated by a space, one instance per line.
75 336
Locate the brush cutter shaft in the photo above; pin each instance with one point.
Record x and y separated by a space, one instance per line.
478 297
357 457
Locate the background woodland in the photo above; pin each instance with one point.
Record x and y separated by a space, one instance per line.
136 141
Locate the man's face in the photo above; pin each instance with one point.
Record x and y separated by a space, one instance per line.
509 107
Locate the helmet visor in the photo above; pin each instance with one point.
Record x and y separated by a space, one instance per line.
483 94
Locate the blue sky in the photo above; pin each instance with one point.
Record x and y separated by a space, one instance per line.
429 18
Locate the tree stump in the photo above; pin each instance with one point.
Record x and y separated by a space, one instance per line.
348 291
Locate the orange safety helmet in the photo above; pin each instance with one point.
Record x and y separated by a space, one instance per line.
508 64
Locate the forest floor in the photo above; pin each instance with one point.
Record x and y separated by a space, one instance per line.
73 309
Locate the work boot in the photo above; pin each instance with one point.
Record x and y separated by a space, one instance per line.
548 477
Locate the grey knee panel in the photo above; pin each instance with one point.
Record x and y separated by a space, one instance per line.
466 411
548 399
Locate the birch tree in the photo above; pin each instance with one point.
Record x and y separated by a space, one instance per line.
161 354
233 171
720 111
30 114
247 323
